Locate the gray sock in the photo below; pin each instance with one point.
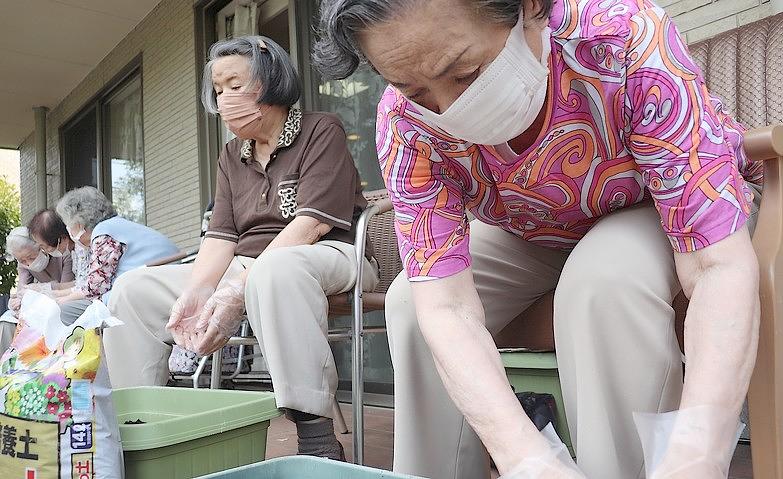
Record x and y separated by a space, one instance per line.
316 438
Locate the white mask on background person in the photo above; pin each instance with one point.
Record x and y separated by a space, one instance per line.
504 100
40 263
76 237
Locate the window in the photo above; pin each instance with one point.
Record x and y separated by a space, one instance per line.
80 151
354 100
103 146
124 146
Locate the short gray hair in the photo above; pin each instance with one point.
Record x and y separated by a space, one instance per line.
337 53
86 206
19 239
270 67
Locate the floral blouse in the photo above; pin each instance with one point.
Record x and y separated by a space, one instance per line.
105 254
630 117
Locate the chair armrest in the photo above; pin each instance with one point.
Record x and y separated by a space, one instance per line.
765 143
765 396
383 205
171 259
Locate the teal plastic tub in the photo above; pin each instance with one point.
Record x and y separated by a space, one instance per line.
305 467
191 432
537 372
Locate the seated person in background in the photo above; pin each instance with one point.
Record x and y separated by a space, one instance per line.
34 269
48 230
34 265
288 197
115 245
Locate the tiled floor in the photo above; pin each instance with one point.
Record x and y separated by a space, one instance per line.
379 439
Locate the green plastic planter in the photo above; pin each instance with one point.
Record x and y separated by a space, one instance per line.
305 467
191 432
537 372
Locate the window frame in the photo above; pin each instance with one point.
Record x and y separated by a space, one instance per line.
97 103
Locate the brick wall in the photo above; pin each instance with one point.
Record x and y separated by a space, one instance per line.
701 19
165 41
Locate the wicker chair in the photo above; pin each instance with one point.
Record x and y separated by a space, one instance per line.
375 224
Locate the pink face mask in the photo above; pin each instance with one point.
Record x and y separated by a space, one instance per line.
240 111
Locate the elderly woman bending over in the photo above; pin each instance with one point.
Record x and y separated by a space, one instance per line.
116 246
280 237
35 270
582 138
34 265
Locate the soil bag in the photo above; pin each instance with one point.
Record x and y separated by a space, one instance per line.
57 420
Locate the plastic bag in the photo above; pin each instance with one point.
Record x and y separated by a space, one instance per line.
57 419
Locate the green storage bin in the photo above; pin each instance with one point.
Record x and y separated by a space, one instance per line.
191 432
537 372
305 467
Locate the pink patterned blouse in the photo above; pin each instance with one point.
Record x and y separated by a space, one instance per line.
630 117
105 254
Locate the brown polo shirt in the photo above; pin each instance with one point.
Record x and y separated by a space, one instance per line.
311 173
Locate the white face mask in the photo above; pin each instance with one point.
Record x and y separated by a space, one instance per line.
76 236
40 263
504 100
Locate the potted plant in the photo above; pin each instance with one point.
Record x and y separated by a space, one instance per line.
9 219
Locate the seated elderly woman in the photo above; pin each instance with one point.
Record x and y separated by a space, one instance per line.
582 139
288 197
34 268
48 230
116 246
34 265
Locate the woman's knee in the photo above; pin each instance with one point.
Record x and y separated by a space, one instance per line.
132 286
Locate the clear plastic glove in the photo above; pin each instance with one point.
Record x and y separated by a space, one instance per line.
15 302
693 442
555 464
43 288
185 315
221 317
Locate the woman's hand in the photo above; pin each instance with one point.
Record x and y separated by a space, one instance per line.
221 317
185 314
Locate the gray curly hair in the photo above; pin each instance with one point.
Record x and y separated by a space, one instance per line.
337 53
86 206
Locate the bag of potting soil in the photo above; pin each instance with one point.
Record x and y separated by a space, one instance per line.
57 419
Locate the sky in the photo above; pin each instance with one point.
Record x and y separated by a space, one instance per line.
9 165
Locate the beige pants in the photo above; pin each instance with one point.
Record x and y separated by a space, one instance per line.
616 347
7 331
286 303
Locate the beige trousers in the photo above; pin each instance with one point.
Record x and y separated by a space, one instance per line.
614 330
286 303
7 331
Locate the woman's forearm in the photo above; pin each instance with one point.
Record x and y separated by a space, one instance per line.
62 286
212 261
452 322
721 337
303 230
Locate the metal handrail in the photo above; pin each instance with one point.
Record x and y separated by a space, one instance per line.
357 341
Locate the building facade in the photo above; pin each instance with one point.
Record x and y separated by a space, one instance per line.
134 127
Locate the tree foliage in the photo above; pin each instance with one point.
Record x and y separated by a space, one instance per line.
10 217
